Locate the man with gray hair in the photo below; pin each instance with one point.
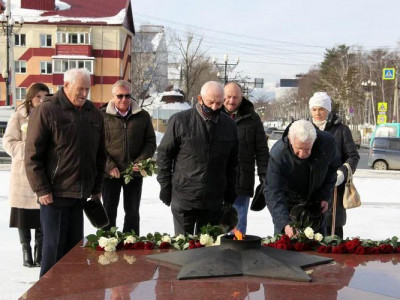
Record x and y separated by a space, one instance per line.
129 138
65 159
197 160
300 178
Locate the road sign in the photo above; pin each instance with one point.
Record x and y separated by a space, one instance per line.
380 119
382 106
388 74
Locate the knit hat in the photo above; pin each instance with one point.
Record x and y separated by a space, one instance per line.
320 99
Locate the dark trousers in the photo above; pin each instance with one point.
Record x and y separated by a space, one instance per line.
191 220
132 193
62 230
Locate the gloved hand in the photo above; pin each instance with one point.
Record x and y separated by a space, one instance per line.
165 196
339 178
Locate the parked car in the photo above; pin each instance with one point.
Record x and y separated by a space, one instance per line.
269 130
384 153
385 130
356 134
275 136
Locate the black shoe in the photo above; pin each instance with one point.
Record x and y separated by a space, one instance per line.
27 255
37 262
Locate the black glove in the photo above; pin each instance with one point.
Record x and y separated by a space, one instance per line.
165 196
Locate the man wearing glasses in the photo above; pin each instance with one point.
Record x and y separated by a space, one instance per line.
130 138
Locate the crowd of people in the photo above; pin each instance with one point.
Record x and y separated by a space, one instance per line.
65 151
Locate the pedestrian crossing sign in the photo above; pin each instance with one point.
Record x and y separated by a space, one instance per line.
388 74
381 119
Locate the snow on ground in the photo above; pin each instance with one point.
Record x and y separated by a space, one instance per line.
377 218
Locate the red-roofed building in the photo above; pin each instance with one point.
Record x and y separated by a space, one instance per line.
57 36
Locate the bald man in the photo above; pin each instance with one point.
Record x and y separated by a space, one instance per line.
197 160
253 148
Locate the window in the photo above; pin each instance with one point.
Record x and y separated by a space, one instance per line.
46 67
19 39
45 40
73 38
386 131
20 66
20 93
62 65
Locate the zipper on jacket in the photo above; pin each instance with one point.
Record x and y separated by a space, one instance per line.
55 170
82 151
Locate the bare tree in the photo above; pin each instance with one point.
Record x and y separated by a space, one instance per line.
197 67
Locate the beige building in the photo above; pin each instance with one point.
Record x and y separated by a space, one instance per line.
92 34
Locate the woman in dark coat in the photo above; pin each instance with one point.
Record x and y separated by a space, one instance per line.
320 107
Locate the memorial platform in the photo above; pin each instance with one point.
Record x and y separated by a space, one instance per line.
126 274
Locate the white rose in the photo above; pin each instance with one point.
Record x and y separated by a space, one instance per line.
180 237
113 241
318 237
24 127
130 240
309 232
206 240
103 241
109 248
166 239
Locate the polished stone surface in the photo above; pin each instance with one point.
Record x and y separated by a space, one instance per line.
88 274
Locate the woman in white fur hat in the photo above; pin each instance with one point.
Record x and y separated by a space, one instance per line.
320 107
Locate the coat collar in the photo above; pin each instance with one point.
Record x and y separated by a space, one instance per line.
110 109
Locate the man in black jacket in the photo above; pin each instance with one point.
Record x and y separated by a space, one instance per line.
301 176
197 160
252 148
65 159
130 137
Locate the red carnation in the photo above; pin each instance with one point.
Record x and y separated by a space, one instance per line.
164 245
374 250
323 249
129 246
397 249
386 248
338 249
284 238
192 242
198 245
352 245
289 246
139 245
360 250
149 246
299 246
120 245
192 246
98 248
281 246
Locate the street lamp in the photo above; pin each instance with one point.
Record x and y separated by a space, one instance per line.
225 67
8 27
368 86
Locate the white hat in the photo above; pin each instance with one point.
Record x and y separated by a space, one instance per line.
320 99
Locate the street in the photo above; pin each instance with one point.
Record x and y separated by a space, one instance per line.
363 162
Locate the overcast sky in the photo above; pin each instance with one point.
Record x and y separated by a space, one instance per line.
275 39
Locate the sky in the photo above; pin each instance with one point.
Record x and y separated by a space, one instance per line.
275 39
380 210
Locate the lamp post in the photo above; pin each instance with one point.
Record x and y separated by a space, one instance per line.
368 86
225 67
8 27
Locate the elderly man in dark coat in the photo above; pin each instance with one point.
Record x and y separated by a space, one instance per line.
197 160
300 178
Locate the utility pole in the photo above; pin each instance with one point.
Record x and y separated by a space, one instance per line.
225 67
395 117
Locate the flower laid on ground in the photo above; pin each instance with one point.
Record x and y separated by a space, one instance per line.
304 240
146 167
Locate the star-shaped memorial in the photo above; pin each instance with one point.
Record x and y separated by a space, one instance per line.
241 257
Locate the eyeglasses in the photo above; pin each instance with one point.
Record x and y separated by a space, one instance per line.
120 96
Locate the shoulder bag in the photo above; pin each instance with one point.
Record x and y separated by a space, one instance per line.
351 198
